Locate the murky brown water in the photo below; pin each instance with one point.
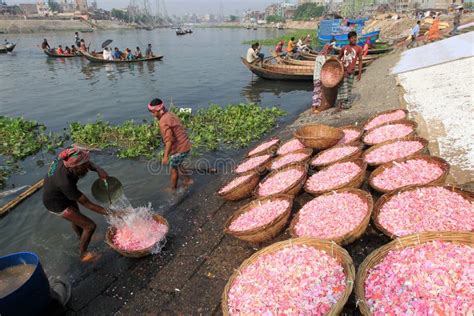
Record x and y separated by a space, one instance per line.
13 277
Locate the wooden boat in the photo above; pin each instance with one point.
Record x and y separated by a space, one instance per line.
98 59
312 56
341 39
372 51
7 49
53 54
297 62
284 72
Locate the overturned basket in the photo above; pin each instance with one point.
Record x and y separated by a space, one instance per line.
242 190
355 182
267 231
423 141
109 239
441 163
387 197
271 150
332 73
411 124
370 119
356 154
318 136
355 129
412 240
332 249
293 189
354 234
306 151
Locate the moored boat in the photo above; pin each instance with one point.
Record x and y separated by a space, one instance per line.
297 62
284 72
98 59
372 51
51 53
7 48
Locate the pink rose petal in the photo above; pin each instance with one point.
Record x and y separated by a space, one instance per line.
393 151
387 132
350 135
279 181
235 183
259 215
334 176
385 118
251 163
288 159
334 154
290 146
264 146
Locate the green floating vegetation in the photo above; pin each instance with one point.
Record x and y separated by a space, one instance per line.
20 138
285 37
215 127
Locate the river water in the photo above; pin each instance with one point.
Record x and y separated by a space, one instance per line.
197 69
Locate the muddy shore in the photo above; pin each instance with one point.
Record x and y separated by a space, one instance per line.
190 275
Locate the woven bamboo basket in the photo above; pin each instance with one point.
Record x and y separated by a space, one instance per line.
332 73
409 123
279 154
331 248
441 163
388 196
352 156
109 237
355 182
423 141
318 136
260 169
400 243
262 233
292 190
269 151
241 191
381 113
307 151
354 128
352 235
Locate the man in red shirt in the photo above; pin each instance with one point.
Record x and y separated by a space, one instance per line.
349 56
175 138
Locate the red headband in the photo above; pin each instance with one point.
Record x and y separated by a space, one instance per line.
156 108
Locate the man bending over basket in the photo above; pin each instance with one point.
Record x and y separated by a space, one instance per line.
61 195
175 138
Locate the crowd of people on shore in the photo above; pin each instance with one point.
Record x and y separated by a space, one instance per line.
293 47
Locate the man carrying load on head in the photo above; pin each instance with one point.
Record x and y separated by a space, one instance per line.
61 195
175 138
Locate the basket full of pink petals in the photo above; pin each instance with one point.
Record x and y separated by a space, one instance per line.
256 164
267 148
418 170
287 180
348 174
299 157
154 230
300 276
385 117
390 131
261 219
420 209
341 216
352 135
339 153
421 274
240 187
292 145
391 150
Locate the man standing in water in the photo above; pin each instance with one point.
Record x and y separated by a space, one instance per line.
175 138
61 195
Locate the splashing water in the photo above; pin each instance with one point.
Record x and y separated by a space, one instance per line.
137 229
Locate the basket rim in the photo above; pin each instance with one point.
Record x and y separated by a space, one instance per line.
251 172
301 167
369 201
333 60
407 122
258 167
358 151
382 113
376 256
422 140
266 151
287 141
308 151
330 248
440 162
363 168
251 205
298 136
388 196
110 231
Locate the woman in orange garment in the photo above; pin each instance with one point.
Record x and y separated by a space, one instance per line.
433 33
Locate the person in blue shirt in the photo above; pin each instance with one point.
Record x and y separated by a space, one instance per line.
414 34
117 53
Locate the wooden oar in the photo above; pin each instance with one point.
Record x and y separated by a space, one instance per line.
20 198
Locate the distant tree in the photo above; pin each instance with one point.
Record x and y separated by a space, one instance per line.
54 6
275 18
233 18
120 15
308 11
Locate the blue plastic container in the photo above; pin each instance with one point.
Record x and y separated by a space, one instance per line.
33 297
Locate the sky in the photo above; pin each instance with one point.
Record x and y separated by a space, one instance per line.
180 7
